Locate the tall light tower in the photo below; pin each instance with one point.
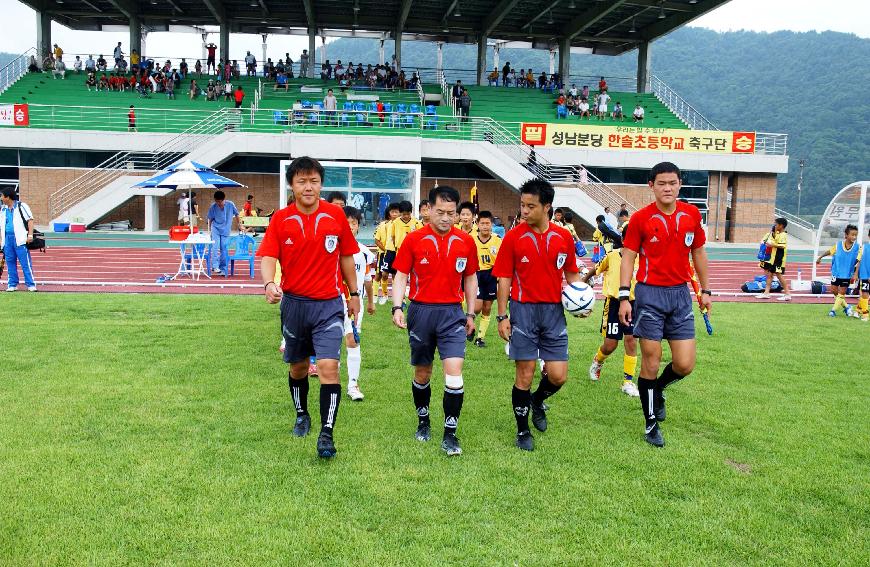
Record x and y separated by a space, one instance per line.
801 163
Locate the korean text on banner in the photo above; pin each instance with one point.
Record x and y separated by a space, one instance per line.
14 115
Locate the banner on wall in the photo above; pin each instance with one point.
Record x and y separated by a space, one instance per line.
14 115
564 135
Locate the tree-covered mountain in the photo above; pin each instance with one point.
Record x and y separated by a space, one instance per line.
812 86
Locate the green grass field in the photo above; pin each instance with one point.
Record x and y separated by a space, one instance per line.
145 429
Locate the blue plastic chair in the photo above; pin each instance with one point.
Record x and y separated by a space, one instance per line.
312 118
388 107
360 118
344 119
401 108
279 117
359 107
409 121
306 104
414 109
394 120
347 107
431 124
318 106
561 111
373 107
242 247
430 109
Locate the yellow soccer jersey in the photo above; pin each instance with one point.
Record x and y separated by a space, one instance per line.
399 229
610 266
777 255
381 235
487 251
600 239
473 232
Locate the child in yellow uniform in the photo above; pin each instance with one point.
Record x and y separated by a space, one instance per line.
488 245
381 238
862 274
777 239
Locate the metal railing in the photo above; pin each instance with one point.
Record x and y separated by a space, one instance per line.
794 219
114 119
124 163
676 104
771 144
15 69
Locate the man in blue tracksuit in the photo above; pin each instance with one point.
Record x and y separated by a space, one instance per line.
16 230
220 221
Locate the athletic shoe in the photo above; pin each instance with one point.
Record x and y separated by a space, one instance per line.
653 436
525 441
865 317
302 426
312 369
659 405
785 297
854 313
424 432
10 289
325 446
847 310
762 296
382 300
450 445
595 370
479 343
31 288
832 313
539 417
355 393
630 389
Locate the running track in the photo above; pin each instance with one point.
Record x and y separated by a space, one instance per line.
106 270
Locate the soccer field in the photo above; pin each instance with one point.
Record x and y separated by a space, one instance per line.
154 429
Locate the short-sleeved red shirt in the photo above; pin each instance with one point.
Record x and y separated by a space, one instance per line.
308 248
663 243
535 262
436 264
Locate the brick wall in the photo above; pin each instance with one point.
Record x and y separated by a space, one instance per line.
36 184
752 210
716 219
493 196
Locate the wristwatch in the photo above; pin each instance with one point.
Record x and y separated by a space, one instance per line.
500 318
472 315
706 291
397 308
354 294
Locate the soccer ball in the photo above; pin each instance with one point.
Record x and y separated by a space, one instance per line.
578 299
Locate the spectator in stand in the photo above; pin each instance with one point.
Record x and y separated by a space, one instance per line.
102 66
505 71
542 80
194 90
48 64
583 108
595 104
251 65
638 113
339 71
136 60
303 63
16 232
182 69
104 83
464 105
90 64
602 85
77 65
618 114
571 105
603 99
211 49
211 90
289 64
228 90
57 52
585 92
91 81
169 87
493 77
239 96
412 84
530 79
118 53
59 69
521 80
131 84
131 119
560 101
33 65
512 78
573 91
281 82
456 92
330 105
197 67
380 107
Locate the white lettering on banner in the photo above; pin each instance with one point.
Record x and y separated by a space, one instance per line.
14 115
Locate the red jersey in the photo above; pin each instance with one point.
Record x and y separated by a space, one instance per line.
535 262
437 264
131 116
308 248
239 95
663 243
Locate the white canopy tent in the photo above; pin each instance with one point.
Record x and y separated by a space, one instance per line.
849 206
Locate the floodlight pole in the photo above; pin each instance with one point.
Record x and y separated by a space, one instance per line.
801 163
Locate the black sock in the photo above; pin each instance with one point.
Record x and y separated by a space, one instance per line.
299 392
647 389
330 396
422 394
521 400
452 408
545 390
668 377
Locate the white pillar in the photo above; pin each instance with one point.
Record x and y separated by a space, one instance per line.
552 61
204 50
323 50
495 56
439 66
143 49
381 59
152 213
263 61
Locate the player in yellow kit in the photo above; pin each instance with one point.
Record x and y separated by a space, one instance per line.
381 237
488 245
402 226
466 218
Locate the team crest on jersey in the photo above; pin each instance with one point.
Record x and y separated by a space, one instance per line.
461 263
690 237
331 242
560 260
493 250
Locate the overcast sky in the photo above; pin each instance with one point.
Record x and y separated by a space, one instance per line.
19 28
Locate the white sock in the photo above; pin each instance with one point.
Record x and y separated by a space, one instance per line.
354 361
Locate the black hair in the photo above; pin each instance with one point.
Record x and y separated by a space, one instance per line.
336 195
484 215
850 228
392 207
303 164
8 192
353 213
406 207
559 210
568 216
540 188
465 205
423 203
663 167
445 193
250 197
781 221
599 218
219 195
623 213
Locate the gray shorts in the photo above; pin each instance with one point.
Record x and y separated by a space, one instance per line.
663 312
538 330
435 325
311 327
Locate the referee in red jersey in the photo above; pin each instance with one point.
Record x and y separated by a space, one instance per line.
438 259
533 257
663 234
315 246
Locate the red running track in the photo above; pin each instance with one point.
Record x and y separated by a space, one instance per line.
105 270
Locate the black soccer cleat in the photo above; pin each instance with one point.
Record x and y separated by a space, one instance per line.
325 446
424 432
479 343
659 405
302 426
525 441
450 445
539 416
653 435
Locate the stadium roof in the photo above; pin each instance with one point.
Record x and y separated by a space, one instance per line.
606 27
